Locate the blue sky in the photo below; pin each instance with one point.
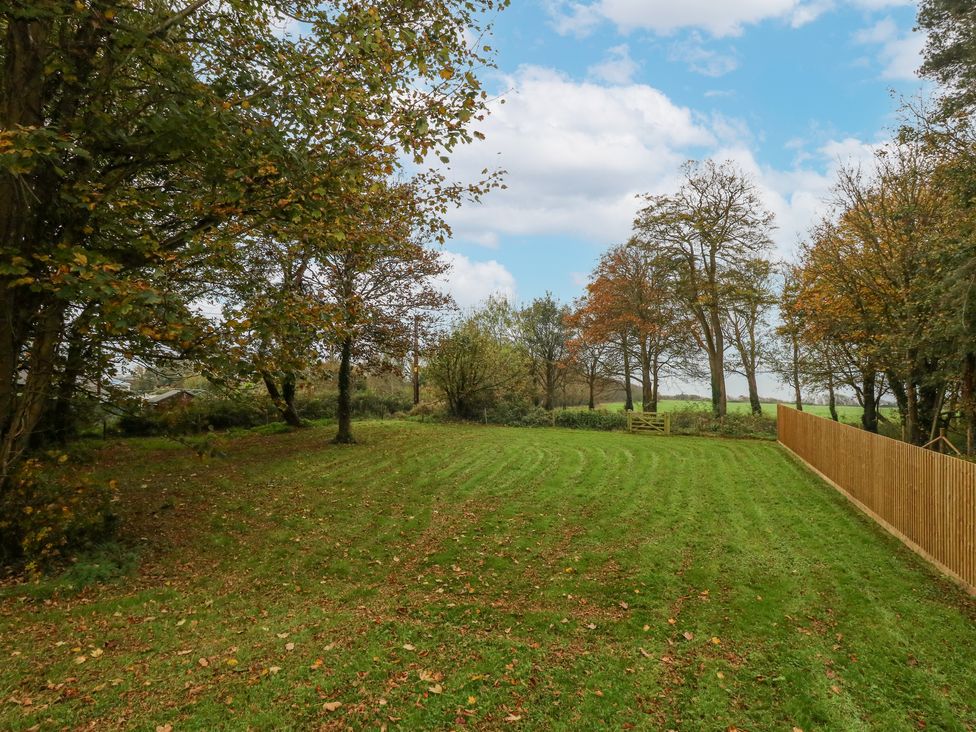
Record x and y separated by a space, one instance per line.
604 99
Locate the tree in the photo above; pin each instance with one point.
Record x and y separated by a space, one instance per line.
711 228
746 307
141 143
375 282
543 332
590 354
472 367
790 357
950 49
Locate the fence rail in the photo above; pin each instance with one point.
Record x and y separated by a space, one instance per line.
926 499
652 423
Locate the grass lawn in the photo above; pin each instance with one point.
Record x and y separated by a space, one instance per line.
845 413
466 577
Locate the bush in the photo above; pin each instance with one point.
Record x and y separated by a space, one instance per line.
515 414
596 419
223 413
703 422
49 512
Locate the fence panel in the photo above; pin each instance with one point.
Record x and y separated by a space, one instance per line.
926 499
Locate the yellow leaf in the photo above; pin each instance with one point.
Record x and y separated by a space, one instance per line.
331 706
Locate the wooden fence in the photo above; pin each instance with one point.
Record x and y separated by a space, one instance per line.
649 423
926 499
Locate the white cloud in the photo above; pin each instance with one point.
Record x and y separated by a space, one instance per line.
617 68
667 16
900 54
702 60
716 17
470 282
577 154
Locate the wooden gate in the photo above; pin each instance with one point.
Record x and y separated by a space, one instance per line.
651 423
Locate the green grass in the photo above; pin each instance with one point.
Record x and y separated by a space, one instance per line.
449 577
845 413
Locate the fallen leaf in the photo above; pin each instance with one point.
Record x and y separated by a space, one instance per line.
688 635
716 641
96 653
204 662
289 646
436 689
164 728
671 621
591 626
513 718
647 628
472 700
81 659
408 647
624 605
720 674
331 706
835 689
645 654
274 669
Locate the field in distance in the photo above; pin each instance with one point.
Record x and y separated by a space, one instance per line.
845 413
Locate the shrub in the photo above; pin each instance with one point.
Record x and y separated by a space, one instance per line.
703 422
515 414
49 512
596 419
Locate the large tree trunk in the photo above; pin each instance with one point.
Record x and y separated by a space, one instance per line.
795 365
592 384
901 399
34 394
716 364
550 385
62 419
754 402
969 401
647 391
869 420
284 400
344 435
655 383
628 387
832 399
913 432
